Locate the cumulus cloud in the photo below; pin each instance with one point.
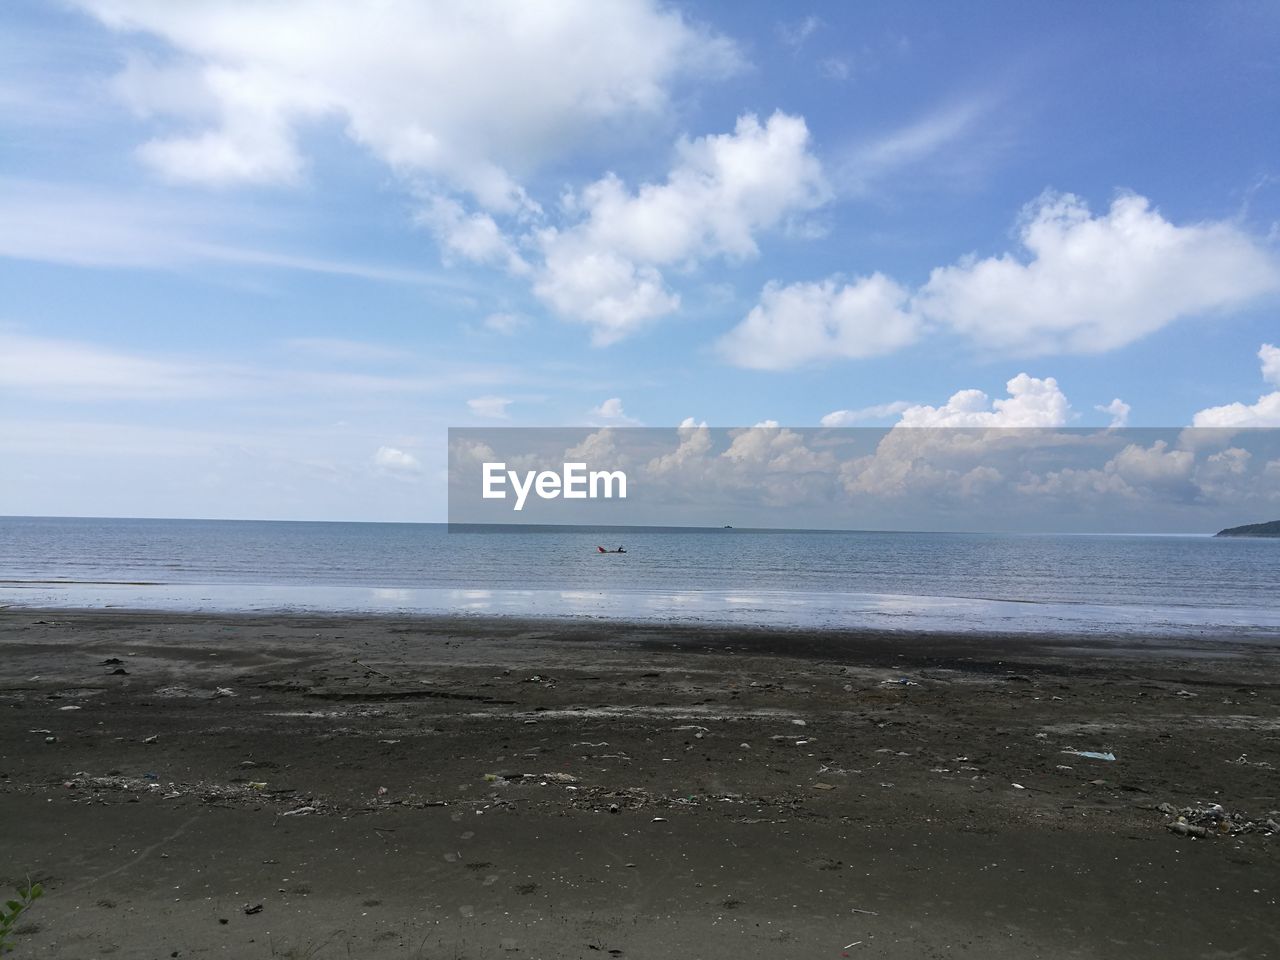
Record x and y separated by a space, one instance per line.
1223 476
465 93
396 462
1264 413
1270 357
803 322
1083 284
847 418
695 444
1032 402
610 412
1135 471
494 408
721 193
1094 283
464 102
1118 410
472 236
610 293
924 453
778 448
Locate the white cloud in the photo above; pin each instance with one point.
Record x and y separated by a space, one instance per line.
1153 465
1091 284
722 191
922 453
1118 411
807 322
695 444
1264 413
597 448
602 289
466 93
1032 402
1223 476
1270 357
611 412
396 462
847 418
493 408
1094 283
1133 472
776 448
472 236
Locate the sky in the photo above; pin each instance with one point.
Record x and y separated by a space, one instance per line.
257 258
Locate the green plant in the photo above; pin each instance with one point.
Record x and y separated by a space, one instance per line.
13 909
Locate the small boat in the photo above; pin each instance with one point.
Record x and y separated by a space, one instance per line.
603 550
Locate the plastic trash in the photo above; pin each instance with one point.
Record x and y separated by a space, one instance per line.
1091 754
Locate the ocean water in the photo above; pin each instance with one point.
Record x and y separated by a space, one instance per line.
916 581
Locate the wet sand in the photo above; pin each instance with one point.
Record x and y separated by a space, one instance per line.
462 788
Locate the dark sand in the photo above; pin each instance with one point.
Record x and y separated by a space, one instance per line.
772 796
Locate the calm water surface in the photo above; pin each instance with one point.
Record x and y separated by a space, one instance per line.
1088 584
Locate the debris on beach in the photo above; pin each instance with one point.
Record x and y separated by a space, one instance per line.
1213 820
1091 754
542 779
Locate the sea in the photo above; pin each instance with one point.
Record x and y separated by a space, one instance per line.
1028 583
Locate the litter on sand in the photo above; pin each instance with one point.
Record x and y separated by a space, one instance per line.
1091 754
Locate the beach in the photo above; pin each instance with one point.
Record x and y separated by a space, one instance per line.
199 785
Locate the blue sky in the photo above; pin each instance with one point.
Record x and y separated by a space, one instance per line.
258 257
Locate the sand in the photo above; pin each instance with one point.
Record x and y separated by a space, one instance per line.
301 786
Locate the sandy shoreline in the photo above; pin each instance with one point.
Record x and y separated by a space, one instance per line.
410 787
